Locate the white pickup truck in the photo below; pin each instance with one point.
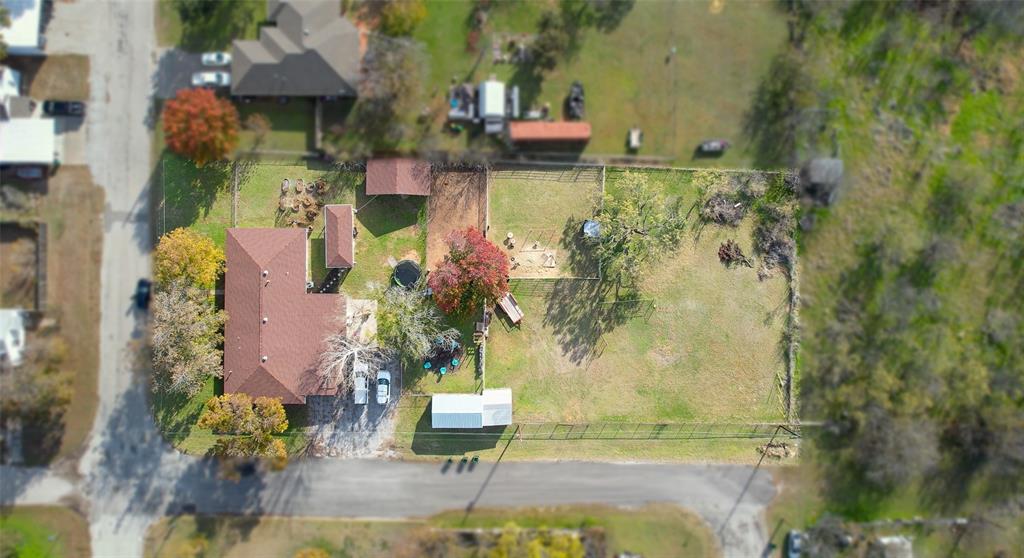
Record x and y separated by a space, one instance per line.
360 389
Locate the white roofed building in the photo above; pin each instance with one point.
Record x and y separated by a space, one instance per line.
28 141
24 37
493 407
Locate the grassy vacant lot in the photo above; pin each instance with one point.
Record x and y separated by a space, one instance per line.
699 328
655 530
630 79
43 532
176 416
57 76
237 19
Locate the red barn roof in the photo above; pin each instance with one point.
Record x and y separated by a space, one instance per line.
275 329
339 245
408 177
549 131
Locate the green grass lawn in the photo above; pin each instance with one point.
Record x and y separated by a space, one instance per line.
698 328
701 92
291 126
653 530
237 19
43 532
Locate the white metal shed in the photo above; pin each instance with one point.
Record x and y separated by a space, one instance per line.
471 410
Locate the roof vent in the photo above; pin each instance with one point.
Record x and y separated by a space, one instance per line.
264 319
265 273
263 358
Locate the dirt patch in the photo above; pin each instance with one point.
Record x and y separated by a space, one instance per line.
457 201
61 76
18 262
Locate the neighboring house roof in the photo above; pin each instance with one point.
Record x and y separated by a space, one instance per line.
471 410
36 141
24 34
12 335
312 51
491 99
549 131
339 244
389 176
275 330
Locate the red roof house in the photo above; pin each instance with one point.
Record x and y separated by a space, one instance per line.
407 177
339 242
275 329
539 131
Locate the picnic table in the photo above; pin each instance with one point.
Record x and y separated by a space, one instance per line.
510 306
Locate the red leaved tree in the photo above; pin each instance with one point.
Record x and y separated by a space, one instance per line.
474 271
200 126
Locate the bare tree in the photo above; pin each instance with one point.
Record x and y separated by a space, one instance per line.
336 362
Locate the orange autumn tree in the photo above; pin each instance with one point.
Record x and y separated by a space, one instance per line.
200 126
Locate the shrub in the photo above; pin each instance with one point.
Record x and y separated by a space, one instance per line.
400 17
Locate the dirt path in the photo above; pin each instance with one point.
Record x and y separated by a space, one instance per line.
457 201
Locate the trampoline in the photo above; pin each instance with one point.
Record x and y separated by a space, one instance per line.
407 273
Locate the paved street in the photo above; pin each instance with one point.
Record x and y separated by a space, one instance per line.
129 477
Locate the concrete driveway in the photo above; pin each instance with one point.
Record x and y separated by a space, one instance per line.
174 71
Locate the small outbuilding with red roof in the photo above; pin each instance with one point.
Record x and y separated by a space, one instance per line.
398 176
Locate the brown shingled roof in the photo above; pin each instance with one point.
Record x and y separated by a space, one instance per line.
397 176
549 131
339 246
266 279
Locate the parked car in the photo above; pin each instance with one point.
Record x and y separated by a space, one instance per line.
63 108
383 387
216 58
143 292
360 393
714 147
794 544
211 79
29 172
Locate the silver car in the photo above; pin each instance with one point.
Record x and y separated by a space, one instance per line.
216 58
383 387
211 79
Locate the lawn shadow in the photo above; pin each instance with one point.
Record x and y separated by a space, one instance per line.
386 214
427 441
188 192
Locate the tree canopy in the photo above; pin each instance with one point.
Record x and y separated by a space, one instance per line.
186 339
200 126
252 423
408 322
400 17
474 271
189 256
637 225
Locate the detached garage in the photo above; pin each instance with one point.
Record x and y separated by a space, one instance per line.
493 407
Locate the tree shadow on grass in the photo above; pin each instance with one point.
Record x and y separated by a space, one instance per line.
216 28
386 214
428 441
189 191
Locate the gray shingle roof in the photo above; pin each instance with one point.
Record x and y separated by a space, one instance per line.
311 51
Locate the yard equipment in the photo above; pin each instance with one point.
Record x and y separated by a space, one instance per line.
713 147
510 306
574 105
635 139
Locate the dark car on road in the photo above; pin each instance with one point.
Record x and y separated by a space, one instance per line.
64 108
143 292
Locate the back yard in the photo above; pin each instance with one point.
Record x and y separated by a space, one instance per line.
694 341
683 72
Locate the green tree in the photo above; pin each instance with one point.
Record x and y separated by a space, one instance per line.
186 339
399 18
5 21
637 225
184 254
552 42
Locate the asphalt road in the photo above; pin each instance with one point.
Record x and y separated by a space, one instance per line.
129 477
